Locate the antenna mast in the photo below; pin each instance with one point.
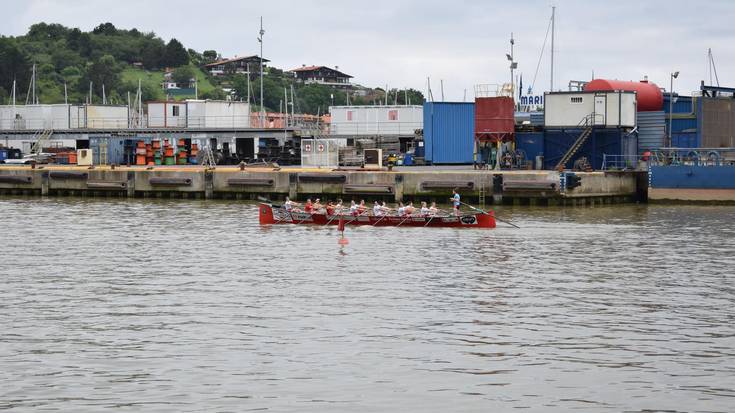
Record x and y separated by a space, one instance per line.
712 68
553 16
260 40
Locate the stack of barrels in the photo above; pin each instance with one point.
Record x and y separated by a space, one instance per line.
156 147
140 153
168 153
194 153
182 155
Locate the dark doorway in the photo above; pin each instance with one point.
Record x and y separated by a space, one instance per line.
245 148
82 143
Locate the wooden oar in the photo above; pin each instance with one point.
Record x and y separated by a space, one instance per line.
382 217
404 220
485 212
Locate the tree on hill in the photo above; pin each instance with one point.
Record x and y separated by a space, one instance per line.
108 29
209 56
175 55
13 65
104 71
183 75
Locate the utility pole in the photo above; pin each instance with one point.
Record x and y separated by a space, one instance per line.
674 75
260 40
285 107
553 17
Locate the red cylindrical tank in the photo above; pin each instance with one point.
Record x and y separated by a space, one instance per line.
649 95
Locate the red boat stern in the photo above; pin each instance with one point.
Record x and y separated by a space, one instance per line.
265 214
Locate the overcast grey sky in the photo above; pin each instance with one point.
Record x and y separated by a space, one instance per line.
400 43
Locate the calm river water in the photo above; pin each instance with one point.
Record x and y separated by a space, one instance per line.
185 306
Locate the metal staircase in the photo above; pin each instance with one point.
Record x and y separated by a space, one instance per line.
41 139
589 123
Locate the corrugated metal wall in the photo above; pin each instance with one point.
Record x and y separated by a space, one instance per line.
718 123
449 132
651 130
603 141
532 143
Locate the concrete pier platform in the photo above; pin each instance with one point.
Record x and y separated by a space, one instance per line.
401 184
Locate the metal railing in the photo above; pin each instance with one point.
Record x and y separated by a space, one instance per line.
622 163
693 156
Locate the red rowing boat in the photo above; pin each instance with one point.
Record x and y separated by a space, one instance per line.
269 215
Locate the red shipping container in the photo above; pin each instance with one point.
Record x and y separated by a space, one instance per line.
494 118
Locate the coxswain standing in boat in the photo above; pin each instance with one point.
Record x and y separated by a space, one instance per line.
455 201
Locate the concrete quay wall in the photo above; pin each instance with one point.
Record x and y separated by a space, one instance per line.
523 187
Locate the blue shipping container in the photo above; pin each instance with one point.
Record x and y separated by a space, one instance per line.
449 132
694 177
3 154
602 141
531 143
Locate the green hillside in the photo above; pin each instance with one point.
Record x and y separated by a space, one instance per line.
72 62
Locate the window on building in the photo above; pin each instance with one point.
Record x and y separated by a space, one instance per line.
393 114
175 110
576 99
349 115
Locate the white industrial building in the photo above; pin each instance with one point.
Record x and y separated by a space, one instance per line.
217 114
385 120
166 114
580 109
63 116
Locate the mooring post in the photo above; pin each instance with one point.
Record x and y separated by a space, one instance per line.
208 184
293 185
131 185
44 183
398 188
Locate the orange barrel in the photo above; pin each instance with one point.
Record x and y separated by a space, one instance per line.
169 151
140 159
156 145
72 157
141 144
